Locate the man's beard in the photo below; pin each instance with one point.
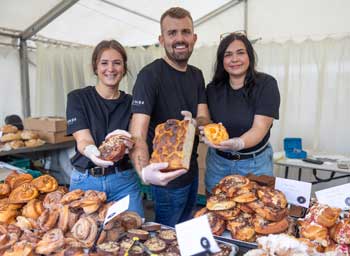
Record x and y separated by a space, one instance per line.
181 58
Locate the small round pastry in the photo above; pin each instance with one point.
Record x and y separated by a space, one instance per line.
34 143
51 242
232 183
111 247
272 197
241 227
85 230
72 196
225 250
268 213
139 233
23 193
48 219
151 226
52 200
215 133
45 183
15 179
228 214
33 209
266 227
155 245
245 208
8 128
340 232
168 235
245 197
15 144
220 202
113 149
29 135
10 137
130 220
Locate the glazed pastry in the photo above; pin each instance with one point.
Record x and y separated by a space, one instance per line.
52 200
22 248
15 179
323 215
130 220
151 226
51 242
10 137
241 227
5 190
139 233
231 184
340 232
314 232
72 196
168 235
272 197
266 227
85 231
33 209
220 202
34 143
268 213
113 149
215 133
228 214
45 183
29 135
8 215
23 193
48 219
217 225
15 144
91 201
8 128
25 223
111 247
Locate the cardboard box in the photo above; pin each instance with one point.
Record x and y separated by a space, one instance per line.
48 124
202 153
54 137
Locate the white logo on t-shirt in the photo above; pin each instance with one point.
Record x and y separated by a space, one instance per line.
71 121
138 102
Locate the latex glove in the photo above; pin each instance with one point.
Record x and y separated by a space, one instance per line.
92 152
118 132
188 116
151 174
234 144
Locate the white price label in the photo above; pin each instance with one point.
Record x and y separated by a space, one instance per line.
117 208
338 196
296 192
195 236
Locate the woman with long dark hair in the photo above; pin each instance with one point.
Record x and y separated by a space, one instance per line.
246 102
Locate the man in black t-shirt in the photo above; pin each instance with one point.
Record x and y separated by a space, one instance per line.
169 88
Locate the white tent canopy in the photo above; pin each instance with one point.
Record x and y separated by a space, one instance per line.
304 44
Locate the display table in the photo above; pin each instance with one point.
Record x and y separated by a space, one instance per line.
330 167
44 148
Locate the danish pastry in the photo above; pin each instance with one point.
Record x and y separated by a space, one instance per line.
113 149
314 232
33 209
215 133
23 193
272 197
231 184
323 215
4 190
241 227
45 183
51 242
265 227
85 231
220 202
29 135
340 232
15 179
8 128
10 137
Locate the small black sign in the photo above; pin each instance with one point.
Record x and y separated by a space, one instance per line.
301 199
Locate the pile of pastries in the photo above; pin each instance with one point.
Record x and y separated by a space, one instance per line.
246 209
12 138
323 229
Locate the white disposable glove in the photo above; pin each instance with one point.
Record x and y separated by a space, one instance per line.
234 144
151 174
92 152
188 116
118 132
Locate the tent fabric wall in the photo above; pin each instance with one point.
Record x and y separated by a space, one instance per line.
312 78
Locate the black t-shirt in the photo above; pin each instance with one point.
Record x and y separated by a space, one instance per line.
162 92
236 111
86 109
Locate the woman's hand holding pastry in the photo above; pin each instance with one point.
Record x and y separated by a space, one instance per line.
92 152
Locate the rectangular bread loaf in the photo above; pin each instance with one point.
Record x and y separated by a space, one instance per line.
173 143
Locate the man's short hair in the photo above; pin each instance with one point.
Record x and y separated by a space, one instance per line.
177 13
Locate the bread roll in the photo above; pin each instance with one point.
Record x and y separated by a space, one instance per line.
173 143
15 144
215 133
8 128
29 135
34 143
10 137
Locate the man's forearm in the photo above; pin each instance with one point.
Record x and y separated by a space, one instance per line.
140 156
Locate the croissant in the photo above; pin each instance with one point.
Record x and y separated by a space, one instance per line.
5 190
15 179
33 209
85 231
23 193
323 215
340 232
51 242
215 133
45 183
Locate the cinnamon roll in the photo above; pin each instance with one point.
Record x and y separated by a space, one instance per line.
15 179
85 231
23 193
72 196
5 190
51 242
33 209
48 219
52 200
45 183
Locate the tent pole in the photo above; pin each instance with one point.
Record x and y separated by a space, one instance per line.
246 16
25 94
47 18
